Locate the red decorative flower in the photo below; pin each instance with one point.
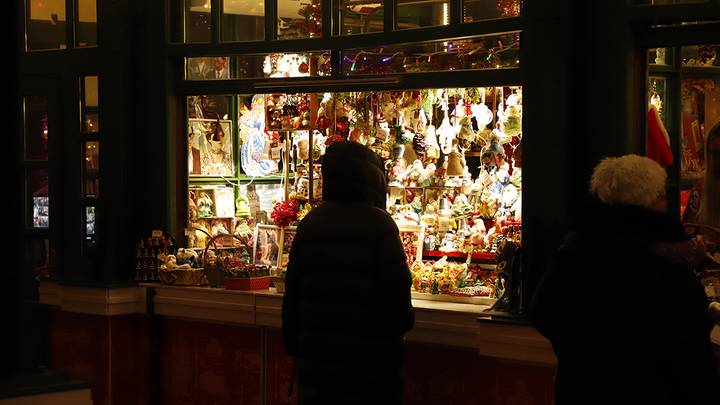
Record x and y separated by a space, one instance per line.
285 212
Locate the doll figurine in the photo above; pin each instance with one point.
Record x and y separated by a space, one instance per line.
396 167
414 173
448 243
242 230
204 206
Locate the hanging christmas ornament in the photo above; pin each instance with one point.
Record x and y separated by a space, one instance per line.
446 135
303 68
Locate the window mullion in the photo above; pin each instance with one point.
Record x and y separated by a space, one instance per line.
215 18
389 7
70 19
270 20
456 12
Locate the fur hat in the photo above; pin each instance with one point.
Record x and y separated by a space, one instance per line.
630 180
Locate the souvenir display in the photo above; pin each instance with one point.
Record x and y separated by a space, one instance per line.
452 164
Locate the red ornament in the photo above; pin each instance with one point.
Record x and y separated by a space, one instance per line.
303 68
285 212
323 123
341 126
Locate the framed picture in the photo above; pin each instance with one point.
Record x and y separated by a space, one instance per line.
288 234
412 237
208 68
210 147
266 248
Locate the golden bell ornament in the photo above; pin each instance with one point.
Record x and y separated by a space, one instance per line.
455 164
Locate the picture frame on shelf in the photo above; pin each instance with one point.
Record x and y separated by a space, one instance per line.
266 245
210 147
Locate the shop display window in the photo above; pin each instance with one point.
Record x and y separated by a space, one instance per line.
658 56
361 16
274 65
453 165
243 20
40 256
488 52
198 21
35 110
90 227
701 56
688 104
479 10
86 23
417 14
665 2
46 25
91 169
298 19
37 198
89 104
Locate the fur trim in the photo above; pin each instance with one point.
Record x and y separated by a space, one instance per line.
629 179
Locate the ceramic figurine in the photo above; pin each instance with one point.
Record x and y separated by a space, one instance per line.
204 205
396 167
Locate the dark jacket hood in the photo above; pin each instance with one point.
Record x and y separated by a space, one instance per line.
628 221
353 173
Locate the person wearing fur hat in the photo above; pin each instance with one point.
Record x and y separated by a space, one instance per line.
627 318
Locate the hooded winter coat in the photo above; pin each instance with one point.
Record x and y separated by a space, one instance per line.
627 323
347 302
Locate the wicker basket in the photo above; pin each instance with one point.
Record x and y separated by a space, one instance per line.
190 277
215 272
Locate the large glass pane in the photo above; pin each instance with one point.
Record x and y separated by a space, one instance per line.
198 21
299 19
210 136
86 26
361 16
36 127
657 96
243 20
89 229
91 169
37 198
425 13
699 148
705 56
478 10
89 100
258 66
46 25
664 2
658 56
490 52
40 256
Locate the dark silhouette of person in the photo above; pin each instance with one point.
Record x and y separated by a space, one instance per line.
347 303
627 318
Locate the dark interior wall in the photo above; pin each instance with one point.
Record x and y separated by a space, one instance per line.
547 171
605 114
10 273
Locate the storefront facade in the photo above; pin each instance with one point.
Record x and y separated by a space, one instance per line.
137 73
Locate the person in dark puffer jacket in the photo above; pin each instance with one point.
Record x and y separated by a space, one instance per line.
347 303
626 316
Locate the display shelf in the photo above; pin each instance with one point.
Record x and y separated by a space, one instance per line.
452 298
220 247
425 187
198 218
475 256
